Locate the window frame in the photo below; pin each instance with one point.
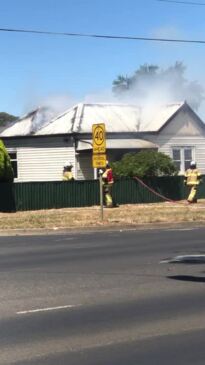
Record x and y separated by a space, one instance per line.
183 158
14 161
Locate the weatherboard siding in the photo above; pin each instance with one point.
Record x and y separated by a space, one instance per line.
184 130
185 123
84 167
41 159
166 143
43 164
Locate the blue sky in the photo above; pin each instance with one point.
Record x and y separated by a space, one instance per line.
38 67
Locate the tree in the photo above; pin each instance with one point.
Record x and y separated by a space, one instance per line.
121 84
150 83
144 163
5 118
6 171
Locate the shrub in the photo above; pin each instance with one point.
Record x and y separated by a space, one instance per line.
6 171
144 163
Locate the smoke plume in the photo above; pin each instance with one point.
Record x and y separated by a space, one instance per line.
150 86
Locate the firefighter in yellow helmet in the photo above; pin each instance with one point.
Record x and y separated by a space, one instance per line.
67 173
192 179
108 181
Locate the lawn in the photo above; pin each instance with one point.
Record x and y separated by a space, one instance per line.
125 215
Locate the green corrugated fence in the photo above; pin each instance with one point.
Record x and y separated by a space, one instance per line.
59 194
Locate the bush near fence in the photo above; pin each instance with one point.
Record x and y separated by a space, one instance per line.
59 194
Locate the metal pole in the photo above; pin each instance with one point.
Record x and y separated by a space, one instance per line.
95 173
101 197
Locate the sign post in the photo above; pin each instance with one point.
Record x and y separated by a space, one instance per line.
99 154
101 197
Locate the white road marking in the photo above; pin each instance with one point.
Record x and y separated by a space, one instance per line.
48 309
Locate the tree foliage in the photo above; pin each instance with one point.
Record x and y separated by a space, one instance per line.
6 171
149 82
144 163
5 118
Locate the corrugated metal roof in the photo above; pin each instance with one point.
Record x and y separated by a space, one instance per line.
79 119
117 118
63 124
20 128
29 124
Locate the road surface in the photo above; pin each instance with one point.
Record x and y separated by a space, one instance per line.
102 298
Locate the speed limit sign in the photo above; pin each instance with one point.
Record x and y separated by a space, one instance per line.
99 138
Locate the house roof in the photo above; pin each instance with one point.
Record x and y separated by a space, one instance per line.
79 119
28 124
117 118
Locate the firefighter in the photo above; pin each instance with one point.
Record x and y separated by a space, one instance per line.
192 179
67 173
108 182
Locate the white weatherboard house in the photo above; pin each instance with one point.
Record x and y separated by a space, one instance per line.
39 146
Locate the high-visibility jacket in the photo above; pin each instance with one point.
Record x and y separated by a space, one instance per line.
68 176
108 176
192 177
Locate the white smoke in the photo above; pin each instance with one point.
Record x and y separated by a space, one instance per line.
46 109
51 107
58 103
41 117
148 91
151 90
103 96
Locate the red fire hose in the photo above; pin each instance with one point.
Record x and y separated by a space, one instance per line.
153 191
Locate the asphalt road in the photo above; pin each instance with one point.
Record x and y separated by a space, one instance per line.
102 298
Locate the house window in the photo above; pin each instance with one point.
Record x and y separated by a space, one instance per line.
182 156
13 158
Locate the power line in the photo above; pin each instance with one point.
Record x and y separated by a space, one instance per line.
86 35
181 2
